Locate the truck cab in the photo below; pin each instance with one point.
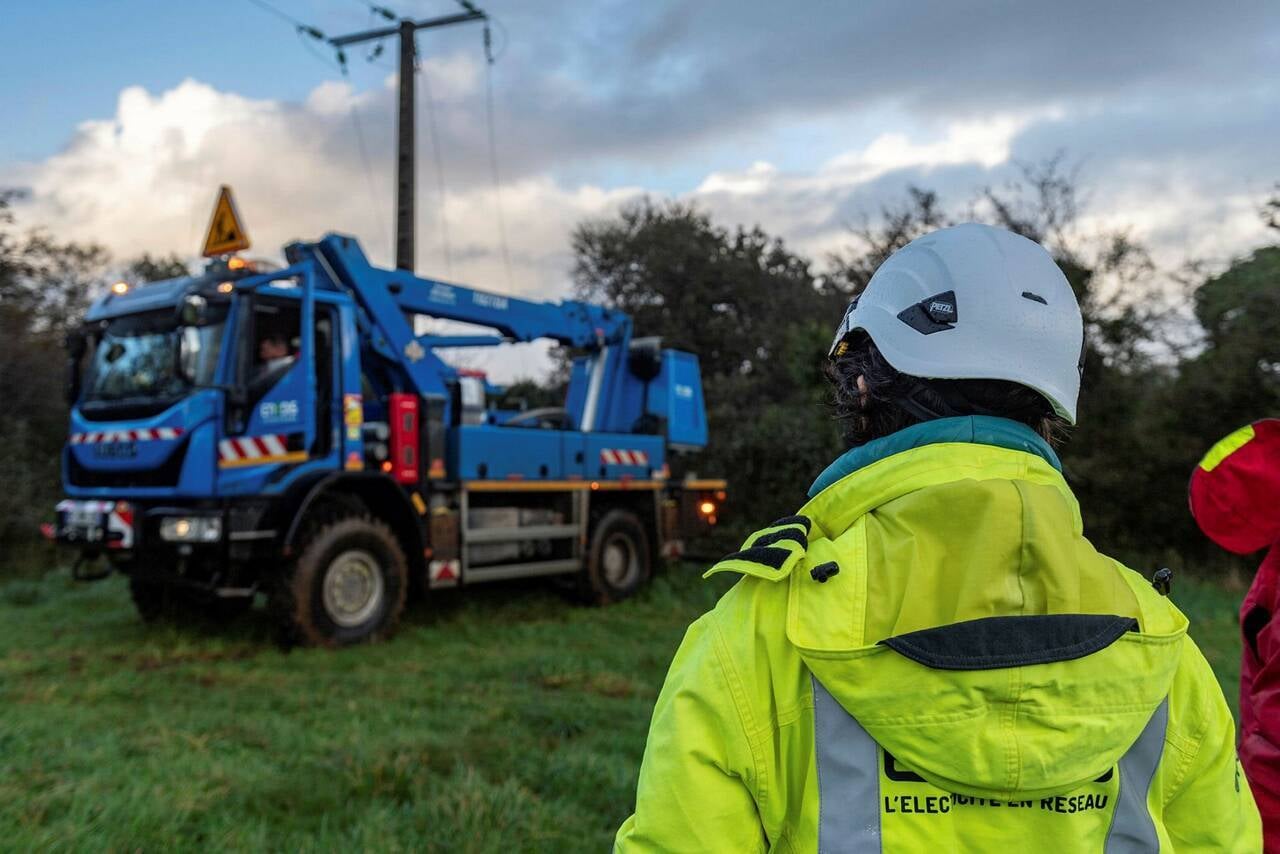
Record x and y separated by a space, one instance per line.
289 432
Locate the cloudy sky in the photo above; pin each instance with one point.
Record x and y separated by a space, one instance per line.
123 118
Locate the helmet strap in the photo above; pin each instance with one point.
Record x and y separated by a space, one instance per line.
946 404
913 402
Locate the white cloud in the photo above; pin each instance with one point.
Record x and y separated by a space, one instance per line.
453 77
755 180
986 142
1180 218
145 180
806 207
332 98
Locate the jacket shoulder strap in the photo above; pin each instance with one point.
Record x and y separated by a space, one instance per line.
770 553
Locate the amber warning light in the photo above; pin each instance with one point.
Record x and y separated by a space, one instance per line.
707 510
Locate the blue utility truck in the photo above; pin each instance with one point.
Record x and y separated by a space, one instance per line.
292 433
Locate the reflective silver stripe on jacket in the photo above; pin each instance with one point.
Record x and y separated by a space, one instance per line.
1132 830
849 783
848 778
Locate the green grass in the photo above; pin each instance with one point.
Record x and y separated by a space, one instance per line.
498 719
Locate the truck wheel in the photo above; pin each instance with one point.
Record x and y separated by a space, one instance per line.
618 561
348 584
151 599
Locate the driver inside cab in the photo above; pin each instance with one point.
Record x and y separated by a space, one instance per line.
275 357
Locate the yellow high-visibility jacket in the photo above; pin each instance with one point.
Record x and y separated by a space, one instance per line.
930 656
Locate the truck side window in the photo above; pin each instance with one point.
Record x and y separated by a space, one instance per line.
276 340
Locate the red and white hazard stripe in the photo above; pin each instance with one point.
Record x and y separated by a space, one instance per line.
144 435
263 448
119 519
120 522
623 457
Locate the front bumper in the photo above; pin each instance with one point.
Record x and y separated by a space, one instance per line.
203 543
95 525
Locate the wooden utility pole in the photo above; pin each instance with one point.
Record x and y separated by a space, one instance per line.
406 116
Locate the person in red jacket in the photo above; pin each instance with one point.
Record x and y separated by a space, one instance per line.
1235 498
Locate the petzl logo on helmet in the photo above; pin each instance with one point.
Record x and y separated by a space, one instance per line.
932 314
938 310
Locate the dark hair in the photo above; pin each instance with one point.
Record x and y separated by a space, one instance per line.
895 400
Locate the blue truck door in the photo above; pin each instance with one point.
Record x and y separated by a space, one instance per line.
278 424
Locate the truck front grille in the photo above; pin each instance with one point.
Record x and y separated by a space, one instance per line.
166 474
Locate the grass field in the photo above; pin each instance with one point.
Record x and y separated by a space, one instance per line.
499 719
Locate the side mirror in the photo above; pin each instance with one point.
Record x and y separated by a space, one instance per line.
193 311
188 356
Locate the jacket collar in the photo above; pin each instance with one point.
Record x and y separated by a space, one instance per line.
860 482
974 429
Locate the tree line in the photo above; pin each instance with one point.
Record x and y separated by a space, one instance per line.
1172 363
45 286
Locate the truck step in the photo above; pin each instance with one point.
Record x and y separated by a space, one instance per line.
523 532
504 571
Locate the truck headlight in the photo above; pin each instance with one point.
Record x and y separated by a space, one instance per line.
191 529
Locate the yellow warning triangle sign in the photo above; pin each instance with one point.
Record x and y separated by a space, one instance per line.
226 234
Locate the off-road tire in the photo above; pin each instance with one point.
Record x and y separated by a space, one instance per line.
298 598
619 562
152 599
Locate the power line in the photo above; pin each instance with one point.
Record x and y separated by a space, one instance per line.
355 118
493 156
439 163
368 170
262 4
405 29
305 32
380 11
506 40
301 27
340 66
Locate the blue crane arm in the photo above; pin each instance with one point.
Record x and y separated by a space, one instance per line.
387 299
576 324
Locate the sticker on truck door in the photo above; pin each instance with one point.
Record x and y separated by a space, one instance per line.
352 415
278 411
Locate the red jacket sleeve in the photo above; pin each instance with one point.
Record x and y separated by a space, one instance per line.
1260 694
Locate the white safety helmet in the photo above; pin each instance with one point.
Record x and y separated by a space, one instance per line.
974 302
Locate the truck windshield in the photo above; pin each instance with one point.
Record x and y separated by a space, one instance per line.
135 358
